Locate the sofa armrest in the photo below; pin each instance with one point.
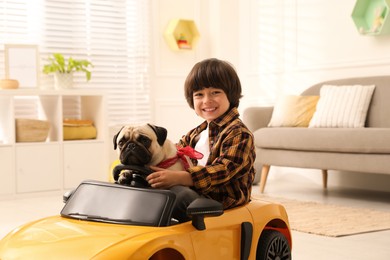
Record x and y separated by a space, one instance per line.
257 117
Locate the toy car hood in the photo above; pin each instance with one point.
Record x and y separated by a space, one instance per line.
71 238
110 221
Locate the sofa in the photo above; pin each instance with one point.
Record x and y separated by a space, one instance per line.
364 148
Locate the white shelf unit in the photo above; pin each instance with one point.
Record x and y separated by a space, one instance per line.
54 165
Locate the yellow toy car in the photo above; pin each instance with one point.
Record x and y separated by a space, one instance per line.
102 220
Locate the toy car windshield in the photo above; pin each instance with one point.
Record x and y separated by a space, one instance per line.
112 203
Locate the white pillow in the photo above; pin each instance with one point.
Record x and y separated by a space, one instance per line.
342 106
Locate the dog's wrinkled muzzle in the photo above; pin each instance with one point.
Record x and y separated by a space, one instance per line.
134 154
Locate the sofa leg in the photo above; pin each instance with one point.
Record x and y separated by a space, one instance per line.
325 178
264 175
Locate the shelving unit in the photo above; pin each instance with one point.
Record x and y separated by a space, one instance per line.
55 164
371 17
181 34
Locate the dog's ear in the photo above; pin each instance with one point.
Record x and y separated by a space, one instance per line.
161 133
116 137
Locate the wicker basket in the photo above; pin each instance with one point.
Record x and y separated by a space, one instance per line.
31 130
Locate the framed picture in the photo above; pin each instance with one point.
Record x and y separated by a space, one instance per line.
21 63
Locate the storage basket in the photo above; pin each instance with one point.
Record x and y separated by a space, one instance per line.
31 130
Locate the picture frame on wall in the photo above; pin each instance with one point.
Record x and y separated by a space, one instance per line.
21 64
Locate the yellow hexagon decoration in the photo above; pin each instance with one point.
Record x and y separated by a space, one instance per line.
181 34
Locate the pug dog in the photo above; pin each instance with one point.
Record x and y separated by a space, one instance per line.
146 145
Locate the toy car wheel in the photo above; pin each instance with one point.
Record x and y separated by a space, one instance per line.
273 245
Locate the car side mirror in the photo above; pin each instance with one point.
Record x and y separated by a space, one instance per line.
67 195
201 208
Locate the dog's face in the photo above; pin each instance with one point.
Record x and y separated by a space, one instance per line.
141 144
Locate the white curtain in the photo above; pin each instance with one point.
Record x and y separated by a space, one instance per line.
112 34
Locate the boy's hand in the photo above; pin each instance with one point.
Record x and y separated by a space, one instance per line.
165 179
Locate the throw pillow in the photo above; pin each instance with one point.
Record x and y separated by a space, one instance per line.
342 106
293 111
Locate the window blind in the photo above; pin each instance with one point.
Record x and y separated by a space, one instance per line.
112 34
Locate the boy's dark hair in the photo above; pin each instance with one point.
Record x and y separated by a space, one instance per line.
213 73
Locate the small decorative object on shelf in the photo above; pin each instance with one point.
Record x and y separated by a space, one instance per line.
181 34
183 43
371 17
64 69
9 84
63 80
22 64
378 19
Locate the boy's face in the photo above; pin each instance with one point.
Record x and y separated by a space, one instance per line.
210 103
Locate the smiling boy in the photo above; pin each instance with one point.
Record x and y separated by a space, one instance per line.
226 171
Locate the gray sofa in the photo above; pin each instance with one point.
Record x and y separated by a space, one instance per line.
346 149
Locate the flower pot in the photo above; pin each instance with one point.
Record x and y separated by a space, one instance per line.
63 80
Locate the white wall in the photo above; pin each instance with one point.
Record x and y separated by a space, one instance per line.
216 21
289 46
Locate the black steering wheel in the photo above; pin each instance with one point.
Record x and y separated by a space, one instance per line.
138 175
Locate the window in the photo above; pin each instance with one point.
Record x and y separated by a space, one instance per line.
112 34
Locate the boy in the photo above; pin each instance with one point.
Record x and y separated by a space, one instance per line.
226 171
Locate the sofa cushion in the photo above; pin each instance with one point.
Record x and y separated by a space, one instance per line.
292 110
342 106
341 140
378 113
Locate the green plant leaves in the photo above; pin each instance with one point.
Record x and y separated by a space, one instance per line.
57 63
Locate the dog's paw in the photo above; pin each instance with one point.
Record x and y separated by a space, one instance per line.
125 177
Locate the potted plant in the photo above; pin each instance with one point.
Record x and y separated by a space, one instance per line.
64 69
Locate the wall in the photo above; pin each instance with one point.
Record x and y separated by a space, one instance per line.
215 22
278 47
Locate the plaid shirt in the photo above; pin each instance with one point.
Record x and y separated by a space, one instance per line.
229 172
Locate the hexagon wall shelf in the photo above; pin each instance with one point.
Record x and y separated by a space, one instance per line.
181 34
371 17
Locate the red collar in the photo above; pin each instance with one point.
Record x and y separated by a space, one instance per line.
181 154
